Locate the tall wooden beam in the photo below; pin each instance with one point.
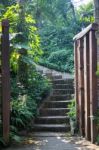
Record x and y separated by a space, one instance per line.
93 83
87 87
76 79
81 87
5 80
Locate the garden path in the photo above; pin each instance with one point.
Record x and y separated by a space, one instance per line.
54 141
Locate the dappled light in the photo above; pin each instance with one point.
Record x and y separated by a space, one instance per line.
56 141
49 73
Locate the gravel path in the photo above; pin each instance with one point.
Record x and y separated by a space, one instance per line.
54 141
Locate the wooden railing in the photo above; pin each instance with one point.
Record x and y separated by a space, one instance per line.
5 81
85 48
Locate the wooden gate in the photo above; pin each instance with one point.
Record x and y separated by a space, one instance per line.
85 48
5 81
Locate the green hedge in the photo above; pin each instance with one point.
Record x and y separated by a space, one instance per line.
60 60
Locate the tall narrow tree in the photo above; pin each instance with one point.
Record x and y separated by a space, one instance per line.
22 38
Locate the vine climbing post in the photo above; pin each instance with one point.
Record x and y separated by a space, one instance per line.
5 80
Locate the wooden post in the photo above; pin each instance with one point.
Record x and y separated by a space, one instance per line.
86 87
76 79
93 83
81 87
5 71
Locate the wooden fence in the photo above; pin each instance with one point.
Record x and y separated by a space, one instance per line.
5 81
85 48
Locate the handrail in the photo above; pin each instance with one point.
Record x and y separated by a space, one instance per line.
93 26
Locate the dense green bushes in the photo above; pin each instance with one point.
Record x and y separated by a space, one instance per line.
25 100
60 60
28 87
33 22
57 28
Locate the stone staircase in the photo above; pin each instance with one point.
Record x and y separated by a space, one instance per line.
53 112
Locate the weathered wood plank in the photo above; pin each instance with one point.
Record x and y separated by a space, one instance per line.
5 80
93 84
76 78
81 87
93 26
87 87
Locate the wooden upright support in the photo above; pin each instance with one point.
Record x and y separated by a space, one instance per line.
93 83
5 71
86 80
76 79
81 87
87 87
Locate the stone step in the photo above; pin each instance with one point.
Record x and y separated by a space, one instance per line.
53 111
62 91
52 120
60 97
56 77
51 127
56 104
63 86
49 75
63 81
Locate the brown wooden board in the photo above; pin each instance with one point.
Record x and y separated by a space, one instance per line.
93 83
86 80
80 35
86 87
76 79
5 71
81 86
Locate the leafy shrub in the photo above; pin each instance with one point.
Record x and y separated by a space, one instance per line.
97 72
72 117
1 139
96 118
72 111
60 60
20 113
25 100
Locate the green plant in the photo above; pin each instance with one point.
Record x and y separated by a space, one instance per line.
24 50
97 72
20 114
97 140
25 100
72 111
14 134
1 138
72 116
96 119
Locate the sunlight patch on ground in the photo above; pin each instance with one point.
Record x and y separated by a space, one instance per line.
31 141
81 143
